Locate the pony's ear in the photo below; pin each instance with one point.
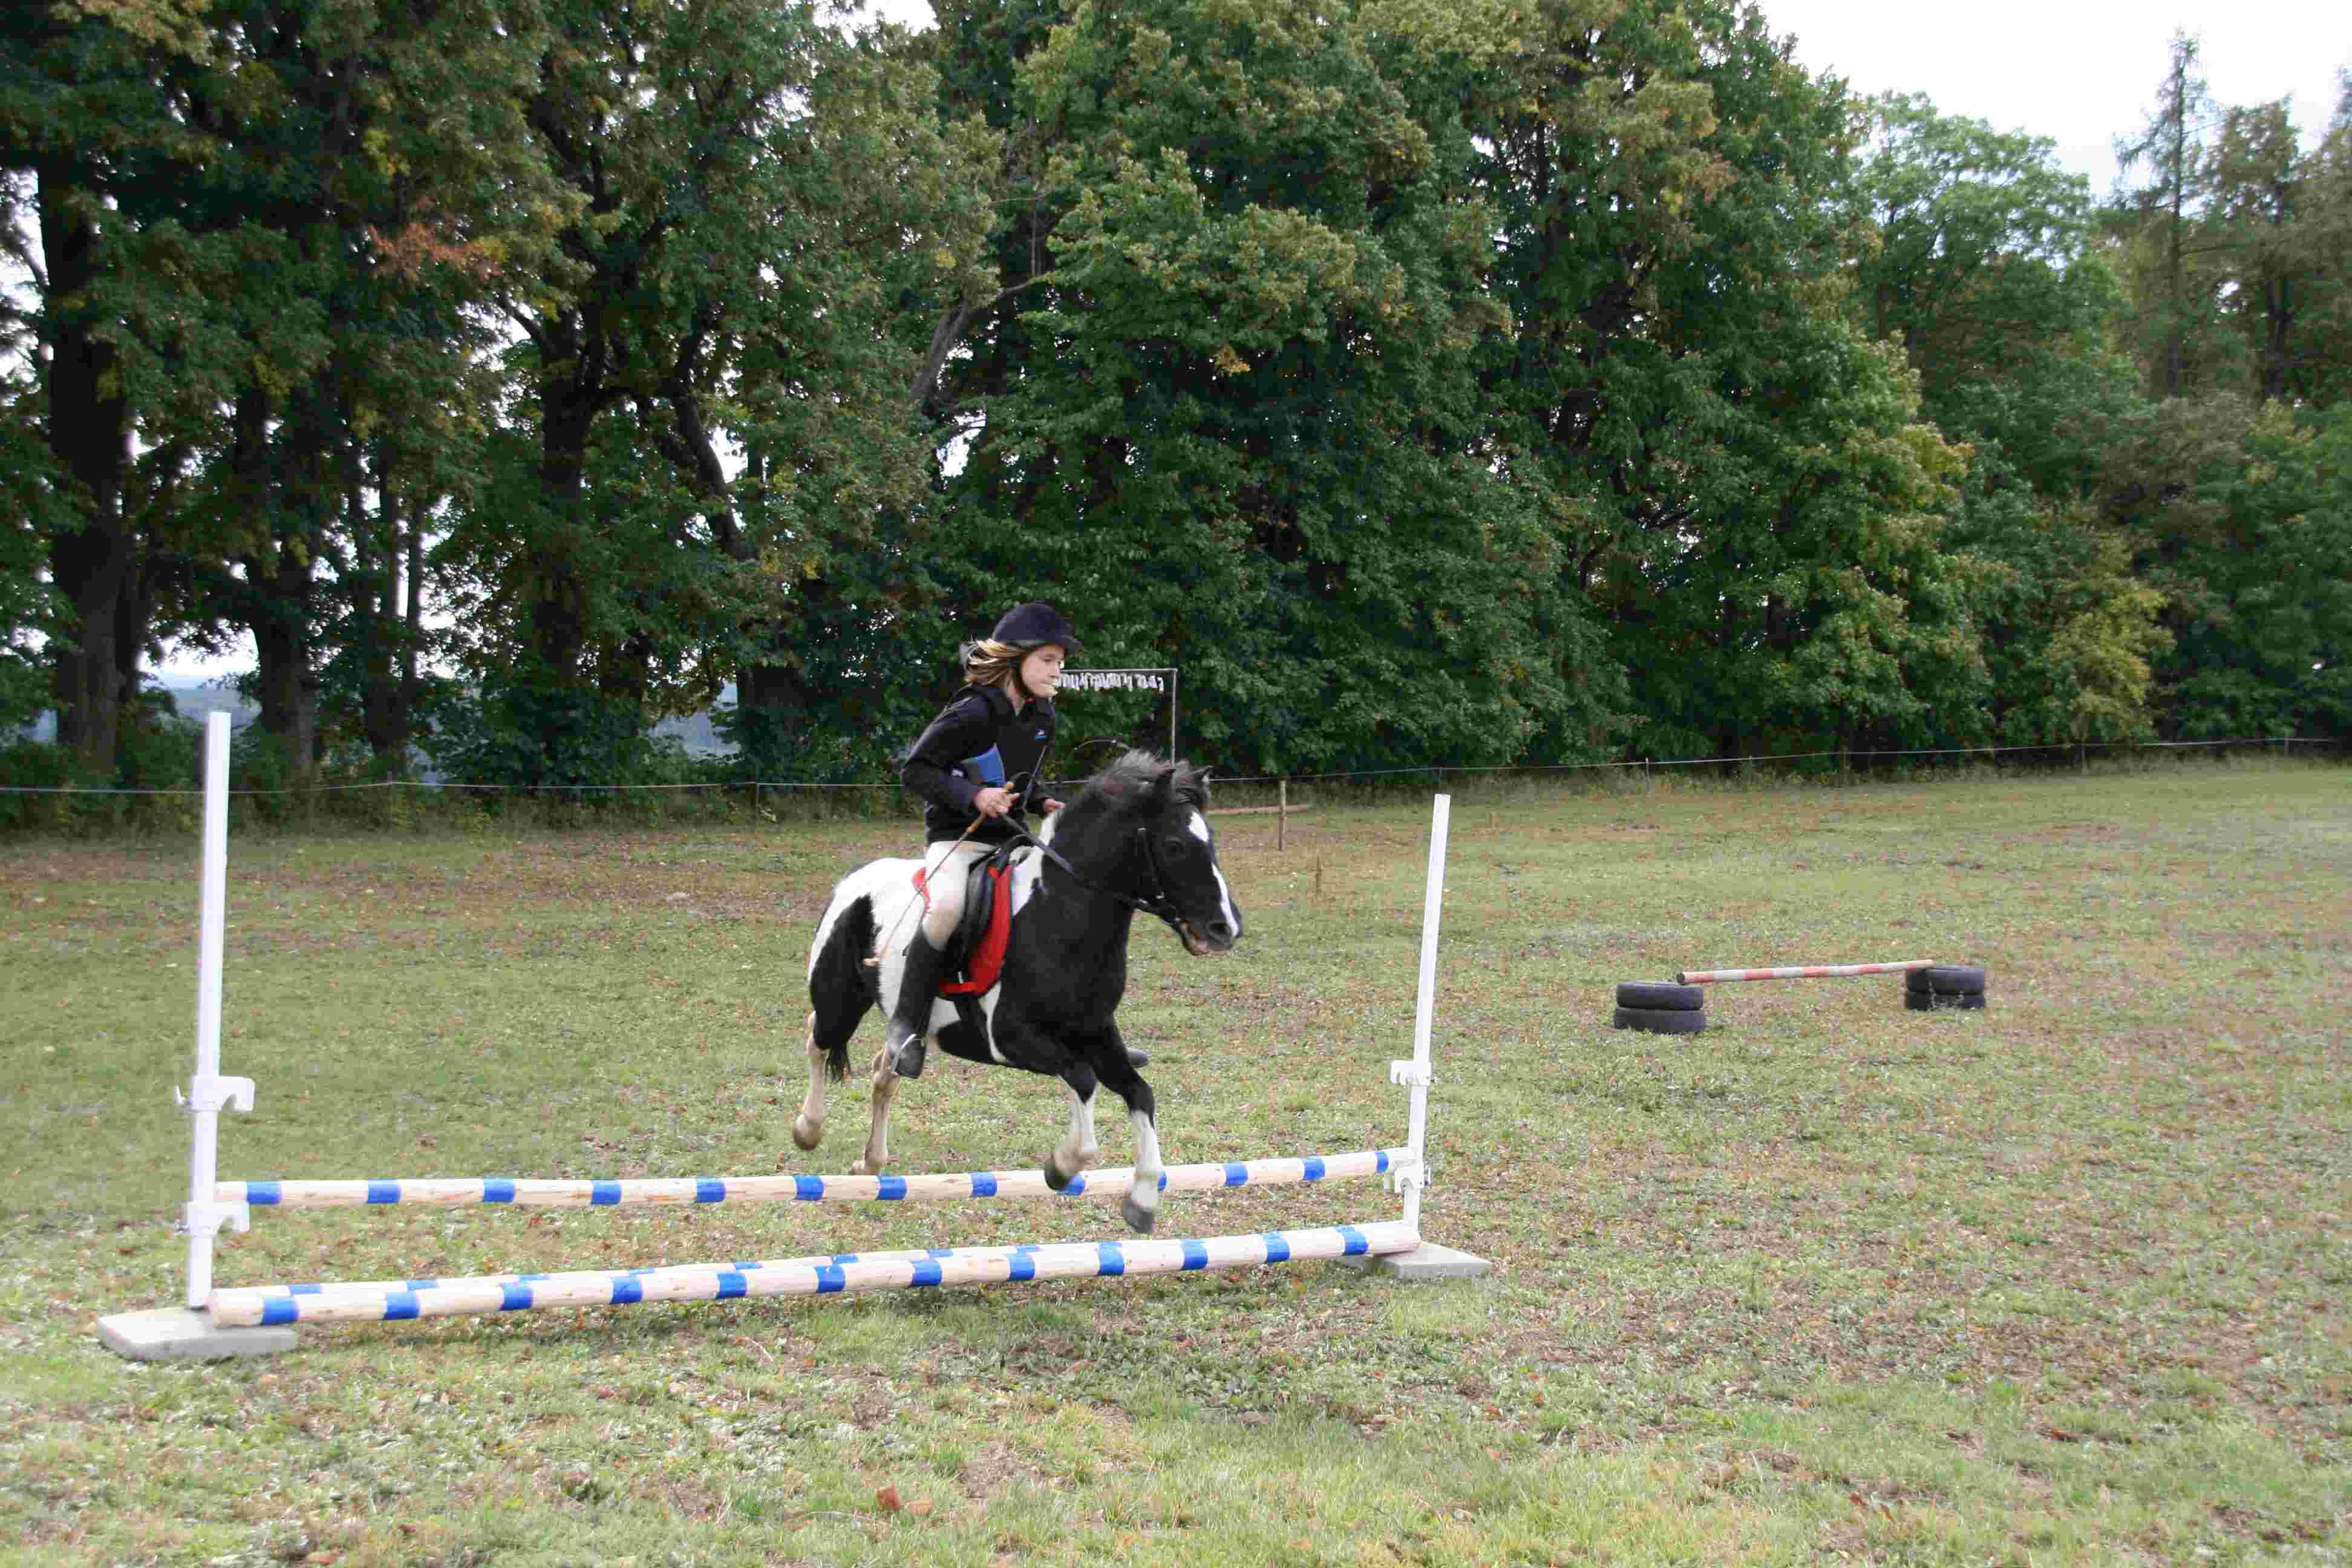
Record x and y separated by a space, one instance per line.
1164 786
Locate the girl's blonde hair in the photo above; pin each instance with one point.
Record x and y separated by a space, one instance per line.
988 662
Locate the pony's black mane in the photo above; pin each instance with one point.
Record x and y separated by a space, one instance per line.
1128 783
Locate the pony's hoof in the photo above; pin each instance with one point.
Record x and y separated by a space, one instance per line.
860 1167
1136 1058
1055 1179
1138 1219
806 1134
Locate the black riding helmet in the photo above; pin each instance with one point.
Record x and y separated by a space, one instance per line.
1033 625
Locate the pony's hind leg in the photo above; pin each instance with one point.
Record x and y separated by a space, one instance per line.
841 991
808 1126
878 1138
1078 1150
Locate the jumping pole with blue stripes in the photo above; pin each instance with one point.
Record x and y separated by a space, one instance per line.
253 1320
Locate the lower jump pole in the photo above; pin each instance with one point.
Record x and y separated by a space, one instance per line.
449 1192
805 1276
1801 972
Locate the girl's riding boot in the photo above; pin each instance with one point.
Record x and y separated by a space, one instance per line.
919 987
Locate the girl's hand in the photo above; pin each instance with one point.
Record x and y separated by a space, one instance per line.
993 802
1052 805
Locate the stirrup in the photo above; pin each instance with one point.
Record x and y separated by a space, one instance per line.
907 1056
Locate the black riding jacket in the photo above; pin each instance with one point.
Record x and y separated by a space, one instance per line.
978 741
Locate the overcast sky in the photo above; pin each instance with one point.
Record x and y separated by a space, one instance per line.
2081 72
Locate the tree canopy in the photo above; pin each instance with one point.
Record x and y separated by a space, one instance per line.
1434 381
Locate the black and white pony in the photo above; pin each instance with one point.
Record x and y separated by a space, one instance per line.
1137 837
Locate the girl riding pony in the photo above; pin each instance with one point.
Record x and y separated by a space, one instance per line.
977 769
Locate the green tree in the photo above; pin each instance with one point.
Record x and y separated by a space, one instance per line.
30 501
2243 515
1245 435
2258 223
90 145
2322 360
2177 324
1739 482
2280 227
1978 255
717 424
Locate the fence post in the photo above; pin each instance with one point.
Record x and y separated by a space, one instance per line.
1282 810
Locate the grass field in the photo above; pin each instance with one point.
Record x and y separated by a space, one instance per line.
2062 1281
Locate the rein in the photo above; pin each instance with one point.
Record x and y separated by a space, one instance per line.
1158 905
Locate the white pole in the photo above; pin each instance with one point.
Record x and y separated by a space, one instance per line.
1415 1074
209 1093
204 1118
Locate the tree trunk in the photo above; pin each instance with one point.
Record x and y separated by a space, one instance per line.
88 434
280 579
288 686
2177 175
558 595
383 713
412 645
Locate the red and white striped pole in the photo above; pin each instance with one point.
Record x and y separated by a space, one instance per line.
1801 972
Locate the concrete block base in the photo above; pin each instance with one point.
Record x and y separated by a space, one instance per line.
177 1333
1427 1261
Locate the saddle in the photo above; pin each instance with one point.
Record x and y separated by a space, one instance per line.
975 955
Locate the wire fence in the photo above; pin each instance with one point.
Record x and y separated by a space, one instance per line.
420 801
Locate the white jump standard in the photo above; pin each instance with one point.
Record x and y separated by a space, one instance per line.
191 1333
229 1320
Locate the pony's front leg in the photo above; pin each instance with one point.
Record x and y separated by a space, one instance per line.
808 1126
1078 1150
1140 1207
878 1138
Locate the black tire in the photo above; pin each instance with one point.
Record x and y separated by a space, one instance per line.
1662 1020
1943 1001
1950 979
1660 996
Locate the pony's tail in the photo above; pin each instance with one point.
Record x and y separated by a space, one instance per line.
841 987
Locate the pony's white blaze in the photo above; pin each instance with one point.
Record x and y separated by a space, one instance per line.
1199 830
